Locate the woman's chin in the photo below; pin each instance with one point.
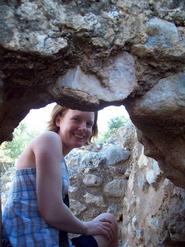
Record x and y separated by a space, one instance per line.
79 144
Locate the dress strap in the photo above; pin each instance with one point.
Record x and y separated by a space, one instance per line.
63 236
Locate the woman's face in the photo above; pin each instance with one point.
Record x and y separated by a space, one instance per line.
75 128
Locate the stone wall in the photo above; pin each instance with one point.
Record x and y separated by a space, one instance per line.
154 208
120 179
98 181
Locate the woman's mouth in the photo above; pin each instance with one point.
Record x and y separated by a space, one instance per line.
79 136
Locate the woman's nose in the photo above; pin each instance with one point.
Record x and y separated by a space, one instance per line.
83 125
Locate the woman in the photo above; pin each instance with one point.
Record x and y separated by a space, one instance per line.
35 214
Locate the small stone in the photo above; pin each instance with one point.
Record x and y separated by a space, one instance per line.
116 188
77 207
92 180
92 199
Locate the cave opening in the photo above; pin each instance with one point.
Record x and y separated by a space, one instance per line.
35 122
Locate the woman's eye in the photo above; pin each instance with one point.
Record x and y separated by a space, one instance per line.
89 124
75 119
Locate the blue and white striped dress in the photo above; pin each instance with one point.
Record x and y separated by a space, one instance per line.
22 224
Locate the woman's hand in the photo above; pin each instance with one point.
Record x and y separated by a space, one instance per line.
100 227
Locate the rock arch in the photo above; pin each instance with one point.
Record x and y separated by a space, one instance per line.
89 55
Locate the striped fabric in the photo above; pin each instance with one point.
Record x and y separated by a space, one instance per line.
5 243
22 223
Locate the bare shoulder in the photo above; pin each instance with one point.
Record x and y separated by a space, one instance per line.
47 144
47 135
48 138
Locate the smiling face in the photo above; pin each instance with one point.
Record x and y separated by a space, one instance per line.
75 128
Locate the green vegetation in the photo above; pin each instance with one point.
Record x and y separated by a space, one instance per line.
113 125
21 137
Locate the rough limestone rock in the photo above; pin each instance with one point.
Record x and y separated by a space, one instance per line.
113 154
92 180
115 188
150 210
153 211
77 207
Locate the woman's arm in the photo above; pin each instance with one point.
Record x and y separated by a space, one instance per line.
48 155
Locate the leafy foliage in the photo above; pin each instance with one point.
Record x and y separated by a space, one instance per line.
113 125
21 137
116 123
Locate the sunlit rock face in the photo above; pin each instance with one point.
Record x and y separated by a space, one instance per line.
160 116
90 54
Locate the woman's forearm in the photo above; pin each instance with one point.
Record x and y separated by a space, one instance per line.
62 218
